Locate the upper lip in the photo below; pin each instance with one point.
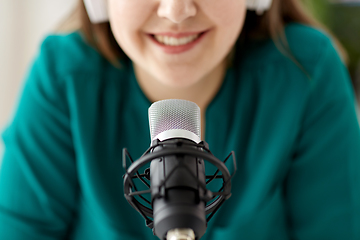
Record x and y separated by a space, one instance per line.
177 34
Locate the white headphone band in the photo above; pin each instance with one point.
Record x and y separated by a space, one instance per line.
258 5
97 9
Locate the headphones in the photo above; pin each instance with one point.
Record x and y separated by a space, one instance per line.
97 9
258 5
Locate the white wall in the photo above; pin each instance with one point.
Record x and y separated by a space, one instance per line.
23 24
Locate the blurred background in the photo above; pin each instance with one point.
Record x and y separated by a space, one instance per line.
24 24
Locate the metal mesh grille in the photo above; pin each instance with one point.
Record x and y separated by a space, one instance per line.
174 114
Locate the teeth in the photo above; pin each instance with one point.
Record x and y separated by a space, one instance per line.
171 41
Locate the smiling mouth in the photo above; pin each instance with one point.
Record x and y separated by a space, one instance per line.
175 41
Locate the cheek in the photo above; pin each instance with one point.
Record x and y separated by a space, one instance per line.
229 19
129 10
127 18
226 13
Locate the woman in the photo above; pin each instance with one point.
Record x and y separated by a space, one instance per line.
270 87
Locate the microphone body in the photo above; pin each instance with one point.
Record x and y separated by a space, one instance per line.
179 203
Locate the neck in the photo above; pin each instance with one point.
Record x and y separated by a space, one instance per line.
201 93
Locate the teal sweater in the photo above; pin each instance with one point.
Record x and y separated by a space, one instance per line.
296 139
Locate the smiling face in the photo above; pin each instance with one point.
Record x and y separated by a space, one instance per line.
176 42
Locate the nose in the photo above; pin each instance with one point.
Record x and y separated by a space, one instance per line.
176 10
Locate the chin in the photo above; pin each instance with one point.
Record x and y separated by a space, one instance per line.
181 78
180 82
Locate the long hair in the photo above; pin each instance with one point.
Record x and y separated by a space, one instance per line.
271 24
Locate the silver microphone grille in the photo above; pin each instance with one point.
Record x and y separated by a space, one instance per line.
175 118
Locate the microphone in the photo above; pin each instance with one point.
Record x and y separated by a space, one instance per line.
173 196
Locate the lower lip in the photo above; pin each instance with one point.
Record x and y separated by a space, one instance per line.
178 49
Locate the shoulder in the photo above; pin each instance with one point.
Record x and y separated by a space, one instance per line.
69 54
67 65
312 69
307 46
66 59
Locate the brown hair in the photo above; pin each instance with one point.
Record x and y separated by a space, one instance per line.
268 25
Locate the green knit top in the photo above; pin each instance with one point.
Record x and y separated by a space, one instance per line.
293 129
